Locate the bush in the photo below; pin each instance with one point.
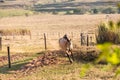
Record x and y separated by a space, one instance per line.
109 32
109 10
101 31
71 0
76 11
95 11
79 11
118 5
110 54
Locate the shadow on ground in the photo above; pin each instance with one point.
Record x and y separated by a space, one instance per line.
48 58
14 66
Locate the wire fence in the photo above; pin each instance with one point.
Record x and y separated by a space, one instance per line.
50 39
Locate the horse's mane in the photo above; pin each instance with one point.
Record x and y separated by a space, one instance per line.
66 37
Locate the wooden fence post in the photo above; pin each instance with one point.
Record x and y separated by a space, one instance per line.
81 39
72 34
87 40
91 41
45 43
0 43
9 61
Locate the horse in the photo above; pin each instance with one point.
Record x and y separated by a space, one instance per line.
66 45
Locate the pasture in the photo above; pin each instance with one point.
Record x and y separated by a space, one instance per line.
26 48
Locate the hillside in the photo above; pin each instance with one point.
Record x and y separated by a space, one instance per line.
74 4
64 6
57 3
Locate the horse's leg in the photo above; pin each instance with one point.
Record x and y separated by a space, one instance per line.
68 57
72 55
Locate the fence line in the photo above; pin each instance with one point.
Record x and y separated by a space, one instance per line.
85 39
88 39
45 42
50 35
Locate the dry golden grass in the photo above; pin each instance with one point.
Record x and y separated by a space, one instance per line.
52 25
56 22
15 32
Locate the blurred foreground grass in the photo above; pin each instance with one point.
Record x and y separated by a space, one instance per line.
111 54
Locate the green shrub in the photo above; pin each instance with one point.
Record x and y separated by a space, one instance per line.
109 32
95 11
118 5
109 10
101 31
110 54
71 0
76 11
79 11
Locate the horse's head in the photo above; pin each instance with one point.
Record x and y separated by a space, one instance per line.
67 37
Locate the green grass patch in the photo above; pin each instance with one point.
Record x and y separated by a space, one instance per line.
14 66
14 12
53 72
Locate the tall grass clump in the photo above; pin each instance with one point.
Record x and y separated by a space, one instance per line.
109 32
6 32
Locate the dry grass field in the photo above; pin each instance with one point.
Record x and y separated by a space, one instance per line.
49 23
55 26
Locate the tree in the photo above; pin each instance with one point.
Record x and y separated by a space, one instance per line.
109 10
95 11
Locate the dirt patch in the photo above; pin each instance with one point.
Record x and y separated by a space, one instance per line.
49 58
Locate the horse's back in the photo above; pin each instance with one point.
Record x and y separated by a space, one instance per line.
63 43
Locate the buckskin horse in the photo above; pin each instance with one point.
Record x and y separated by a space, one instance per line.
66 45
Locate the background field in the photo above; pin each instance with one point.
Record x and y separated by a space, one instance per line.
55 26
52 25
38 18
